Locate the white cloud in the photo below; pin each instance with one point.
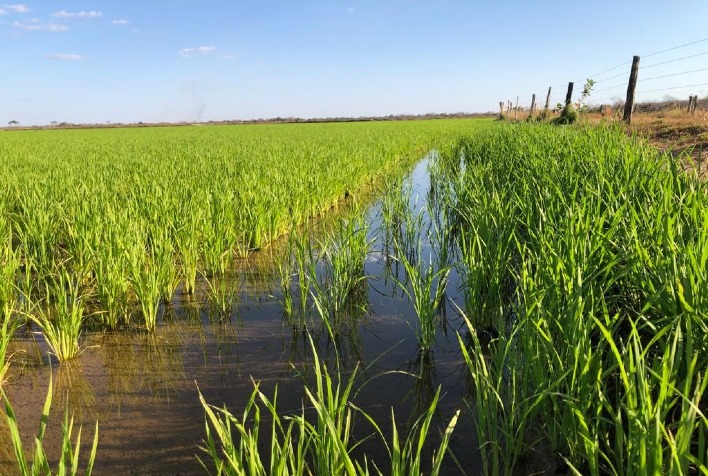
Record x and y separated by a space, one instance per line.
228 57
350 10
65 57
199 50
34 24
120 21
16 8
81 14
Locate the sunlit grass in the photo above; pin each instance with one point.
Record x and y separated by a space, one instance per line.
584 259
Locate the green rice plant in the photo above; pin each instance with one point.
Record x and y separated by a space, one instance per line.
594 248
38 226
221 296
286 271
187 241
305 267
8 326
147 277
407 454
393 208
321 444
112 289
9 267
504 404
236 449
338 289
165 259
39 464
422 286
61 315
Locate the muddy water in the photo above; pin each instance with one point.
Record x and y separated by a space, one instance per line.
143 389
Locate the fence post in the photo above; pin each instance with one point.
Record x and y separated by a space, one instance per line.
533 105
548 99
569 94
501 110
508 109
629 103
516 109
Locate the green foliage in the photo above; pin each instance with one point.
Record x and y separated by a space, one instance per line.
585 257
39 464
568 115
322 444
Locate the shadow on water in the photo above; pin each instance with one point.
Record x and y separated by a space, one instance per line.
235 330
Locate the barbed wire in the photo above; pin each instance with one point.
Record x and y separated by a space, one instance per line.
671 88
676 47
649 55
675 60
672 74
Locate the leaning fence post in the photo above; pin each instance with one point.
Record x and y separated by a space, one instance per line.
533 105
629 103
548 99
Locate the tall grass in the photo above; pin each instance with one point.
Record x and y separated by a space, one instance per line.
585 257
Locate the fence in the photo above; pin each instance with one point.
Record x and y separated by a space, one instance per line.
680 72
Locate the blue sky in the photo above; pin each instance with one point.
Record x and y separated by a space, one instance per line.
158 60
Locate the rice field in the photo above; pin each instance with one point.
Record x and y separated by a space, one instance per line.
314 299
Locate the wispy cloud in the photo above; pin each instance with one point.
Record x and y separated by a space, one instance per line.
65 57
350 10
16 8
81 14
227 57
35 24
120 21
199 50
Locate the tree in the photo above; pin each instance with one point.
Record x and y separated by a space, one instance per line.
13 123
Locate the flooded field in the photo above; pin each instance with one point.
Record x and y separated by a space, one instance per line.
526 299
143 387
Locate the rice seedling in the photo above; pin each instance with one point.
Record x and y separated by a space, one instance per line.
424 286
221 296
338 286
8 327
300 444
112 289
70 456
286 271
61 315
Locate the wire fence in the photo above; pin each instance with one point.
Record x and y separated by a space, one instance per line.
666 79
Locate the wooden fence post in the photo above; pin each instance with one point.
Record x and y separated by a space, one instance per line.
508 108
533 105
629 103
569 94
548 99
516 109
501 110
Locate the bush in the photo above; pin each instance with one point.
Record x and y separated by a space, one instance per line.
567 116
